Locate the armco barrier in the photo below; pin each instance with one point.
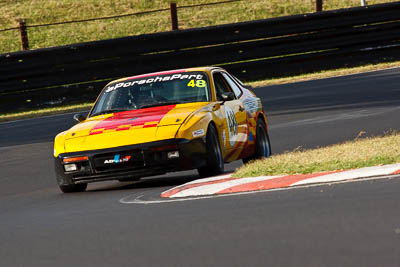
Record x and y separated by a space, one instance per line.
250 50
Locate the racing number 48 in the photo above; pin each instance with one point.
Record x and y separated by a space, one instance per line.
198 83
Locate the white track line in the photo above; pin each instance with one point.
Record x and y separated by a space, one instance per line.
352 174
137 200
210 189
216 187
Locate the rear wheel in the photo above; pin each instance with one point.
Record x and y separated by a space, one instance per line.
215 162
263 146
72 188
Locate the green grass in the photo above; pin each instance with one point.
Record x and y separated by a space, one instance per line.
50 11
350 155
44 112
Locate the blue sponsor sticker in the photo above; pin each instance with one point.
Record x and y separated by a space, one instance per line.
251 138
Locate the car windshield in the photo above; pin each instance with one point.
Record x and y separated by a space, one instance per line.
151 91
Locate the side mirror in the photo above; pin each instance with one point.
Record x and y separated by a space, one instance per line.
227 96
79 117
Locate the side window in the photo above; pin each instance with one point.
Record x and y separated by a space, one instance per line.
236 90
220 85
236 79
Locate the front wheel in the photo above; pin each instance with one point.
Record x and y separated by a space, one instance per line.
73 188
263 146
215 162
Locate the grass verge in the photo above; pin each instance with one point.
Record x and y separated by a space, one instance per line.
359 153
44 112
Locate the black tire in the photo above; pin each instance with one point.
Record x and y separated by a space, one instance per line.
73 188
263 145
215 162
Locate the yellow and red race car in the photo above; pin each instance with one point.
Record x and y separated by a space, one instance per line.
151 124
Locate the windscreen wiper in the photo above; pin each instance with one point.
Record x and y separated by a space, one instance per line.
161 104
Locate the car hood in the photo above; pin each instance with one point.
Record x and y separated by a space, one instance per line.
128 127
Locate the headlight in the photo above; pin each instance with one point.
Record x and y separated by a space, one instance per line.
173 154
70 167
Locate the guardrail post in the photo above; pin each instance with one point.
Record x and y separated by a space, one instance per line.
318 5
174 16
24 34
363 2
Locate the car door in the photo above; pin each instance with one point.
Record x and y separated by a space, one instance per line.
235 133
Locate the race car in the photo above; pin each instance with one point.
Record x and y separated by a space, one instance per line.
151 124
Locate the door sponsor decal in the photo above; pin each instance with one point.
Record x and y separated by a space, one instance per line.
252 104
223 139
232 125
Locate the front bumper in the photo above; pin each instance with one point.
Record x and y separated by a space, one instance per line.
129 162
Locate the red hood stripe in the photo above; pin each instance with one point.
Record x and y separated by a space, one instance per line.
132 118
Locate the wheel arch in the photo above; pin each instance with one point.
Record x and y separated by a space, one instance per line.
219 134
211 122
262 116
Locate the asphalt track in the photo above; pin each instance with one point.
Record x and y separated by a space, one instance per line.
348 224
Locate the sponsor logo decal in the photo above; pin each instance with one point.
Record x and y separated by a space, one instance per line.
198 133
223 139
251 138
117 159
252 105
232 125
158 79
